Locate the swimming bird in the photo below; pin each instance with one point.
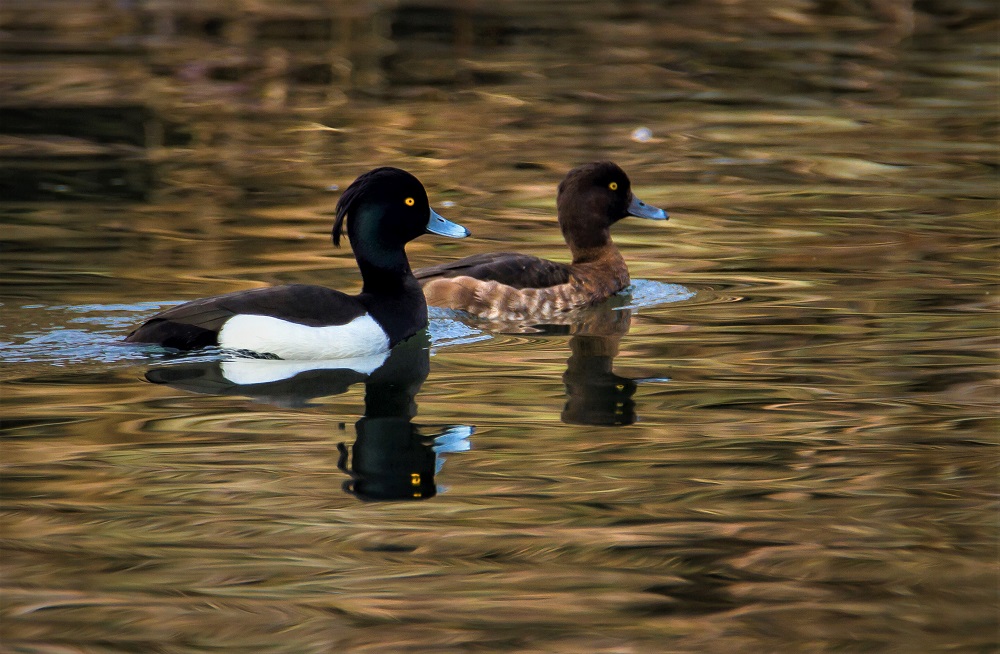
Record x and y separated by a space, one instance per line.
387 208
512 286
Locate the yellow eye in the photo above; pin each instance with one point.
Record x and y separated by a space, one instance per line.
409 202
613 186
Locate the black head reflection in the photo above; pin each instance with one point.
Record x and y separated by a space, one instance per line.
391 459
595 395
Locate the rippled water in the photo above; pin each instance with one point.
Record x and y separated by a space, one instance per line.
781 438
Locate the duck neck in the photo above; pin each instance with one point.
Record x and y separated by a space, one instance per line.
390 291
583 255
594 247
385 276
383 264
396 302
598 264
587 234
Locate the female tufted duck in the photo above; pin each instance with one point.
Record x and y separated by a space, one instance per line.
511 286
388 208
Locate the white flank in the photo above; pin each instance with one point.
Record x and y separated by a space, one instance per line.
268 335
264 371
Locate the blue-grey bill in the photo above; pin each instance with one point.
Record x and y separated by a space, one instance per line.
438 224
640 209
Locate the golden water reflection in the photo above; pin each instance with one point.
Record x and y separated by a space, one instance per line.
818 473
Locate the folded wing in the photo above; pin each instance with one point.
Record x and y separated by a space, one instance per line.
510 268
196 324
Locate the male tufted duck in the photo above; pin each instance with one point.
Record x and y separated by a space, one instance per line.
388 207
512 286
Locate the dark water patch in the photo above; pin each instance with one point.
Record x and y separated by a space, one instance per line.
77 179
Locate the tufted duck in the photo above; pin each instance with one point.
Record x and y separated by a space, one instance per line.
388 207
512 286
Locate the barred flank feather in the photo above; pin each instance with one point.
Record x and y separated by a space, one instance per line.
589 283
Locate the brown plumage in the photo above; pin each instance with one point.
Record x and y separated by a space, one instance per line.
511 286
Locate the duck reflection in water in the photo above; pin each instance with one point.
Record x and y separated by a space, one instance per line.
595 395
391 459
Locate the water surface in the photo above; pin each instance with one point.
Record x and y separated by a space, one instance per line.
781 438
